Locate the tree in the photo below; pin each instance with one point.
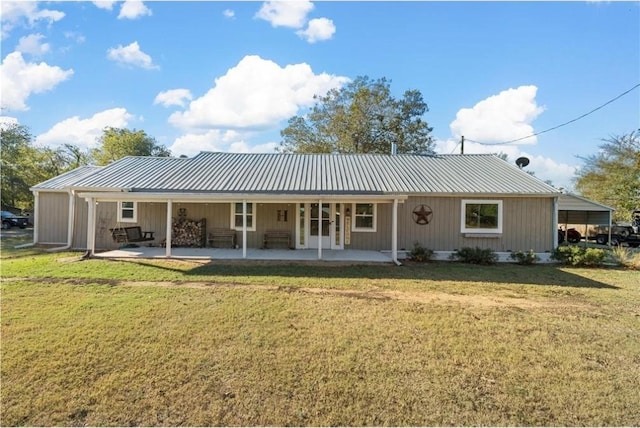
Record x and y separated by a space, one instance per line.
612 177
361 117
116 143
23 165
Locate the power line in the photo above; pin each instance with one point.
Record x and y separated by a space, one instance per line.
558 126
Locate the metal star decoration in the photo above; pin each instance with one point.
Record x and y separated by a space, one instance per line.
422 214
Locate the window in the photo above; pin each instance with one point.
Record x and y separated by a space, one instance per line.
236 216
481 216
127 212
364 218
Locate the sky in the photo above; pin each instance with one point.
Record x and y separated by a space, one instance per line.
226 76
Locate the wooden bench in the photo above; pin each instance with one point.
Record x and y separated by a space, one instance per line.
276 237
222 236
131 234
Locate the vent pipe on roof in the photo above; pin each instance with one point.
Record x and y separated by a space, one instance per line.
394 148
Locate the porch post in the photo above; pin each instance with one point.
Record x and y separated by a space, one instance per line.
36 197
169 229
91 226
71 217
320 229
244 228
554 220
394 232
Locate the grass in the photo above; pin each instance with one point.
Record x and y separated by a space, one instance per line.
100 342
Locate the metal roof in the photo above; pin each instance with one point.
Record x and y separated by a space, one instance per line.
571 202
66 180
277 173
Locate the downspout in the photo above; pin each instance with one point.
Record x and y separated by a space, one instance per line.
71 221
394 233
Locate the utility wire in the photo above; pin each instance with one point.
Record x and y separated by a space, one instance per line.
558 126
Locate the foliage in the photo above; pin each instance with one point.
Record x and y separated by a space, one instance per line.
116 143
361 117
525 258
612 176
420 253
23 164
477 256
625 257
574 255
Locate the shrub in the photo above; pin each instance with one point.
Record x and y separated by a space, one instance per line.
420 253
622 256
475 255
525 258
578 256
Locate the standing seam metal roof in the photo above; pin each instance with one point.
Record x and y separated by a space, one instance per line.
317 174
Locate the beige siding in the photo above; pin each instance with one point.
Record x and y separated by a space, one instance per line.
527 224
53 217
80 224
378 240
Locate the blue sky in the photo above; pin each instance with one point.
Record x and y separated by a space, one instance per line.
226 76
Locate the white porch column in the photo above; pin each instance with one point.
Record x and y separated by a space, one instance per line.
554 220
320 229
244 228
71 217
91 226
36 197
394 232
169 229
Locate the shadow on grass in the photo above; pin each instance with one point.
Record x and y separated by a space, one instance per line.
437 271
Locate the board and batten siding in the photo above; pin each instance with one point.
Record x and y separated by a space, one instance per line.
527 225
381 238
80 219
53 217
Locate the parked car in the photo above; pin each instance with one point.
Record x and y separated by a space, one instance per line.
10 220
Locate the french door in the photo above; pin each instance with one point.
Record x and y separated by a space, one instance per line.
321 225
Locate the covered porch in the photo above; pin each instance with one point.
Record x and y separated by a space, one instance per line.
251 254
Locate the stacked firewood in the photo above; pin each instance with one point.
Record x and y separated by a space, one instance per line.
188 233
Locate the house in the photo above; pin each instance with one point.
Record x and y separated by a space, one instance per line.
302 201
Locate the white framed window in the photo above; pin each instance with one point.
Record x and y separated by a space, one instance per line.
481 216
364 217
127 212
236 216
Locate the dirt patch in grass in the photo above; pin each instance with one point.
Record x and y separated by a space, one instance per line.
422 297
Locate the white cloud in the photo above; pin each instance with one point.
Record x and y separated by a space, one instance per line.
133 9
228 13
291 14
6 122
15 13
217 141
32 45
131 55
256 93
173 97
318 30
503 117
105 4
84 132
20 79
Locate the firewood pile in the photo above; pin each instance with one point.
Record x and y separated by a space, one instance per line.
188 233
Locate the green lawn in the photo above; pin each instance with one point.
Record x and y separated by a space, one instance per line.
99 342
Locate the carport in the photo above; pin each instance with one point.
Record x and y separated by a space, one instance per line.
574 209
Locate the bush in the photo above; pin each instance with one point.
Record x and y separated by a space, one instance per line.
622 256
475 255
578 256
525 258
419 253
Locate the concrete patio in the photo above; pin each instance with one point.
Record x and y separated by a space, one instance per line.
252 254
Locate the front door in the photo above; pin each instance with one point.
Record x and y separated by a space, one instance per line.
323 226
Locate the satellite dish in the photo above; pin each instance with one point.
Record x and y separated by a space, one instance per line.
522 162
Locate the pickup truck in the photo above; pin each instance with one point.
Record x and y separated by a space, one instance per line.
10 220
